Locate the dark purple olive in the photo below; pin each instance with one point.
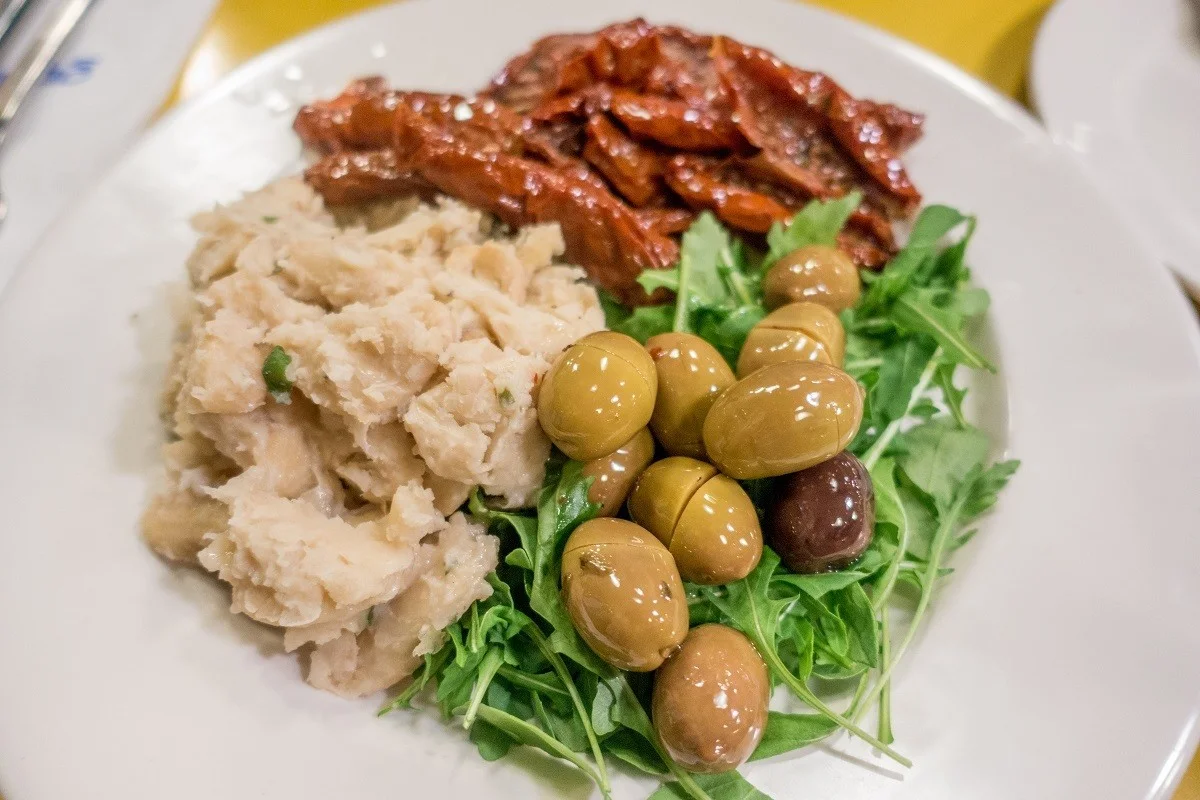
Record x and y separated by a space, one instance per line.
824 516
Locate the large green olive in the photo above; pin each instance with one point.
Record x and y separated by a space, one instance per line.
795 332
783 418
662 491
613 475
597 395
819 273
705 519
823 517
709 704
691 373
623 593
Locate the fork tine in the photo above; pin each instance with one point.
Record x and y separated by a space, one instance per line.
10 14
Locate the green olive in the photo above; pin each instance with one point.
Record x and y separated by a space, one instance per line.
623 593
691 373
783 418
819 273
795 332
709 704
615 473
597 395
660 494
705 519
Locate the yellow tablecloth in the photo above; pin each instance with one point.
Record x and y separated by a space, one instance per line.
990 38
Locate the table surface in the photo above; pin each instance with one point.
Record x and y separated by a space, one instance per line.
989 38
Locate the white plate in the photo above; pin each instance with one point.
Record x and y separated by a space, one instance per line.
1119 82
1063 659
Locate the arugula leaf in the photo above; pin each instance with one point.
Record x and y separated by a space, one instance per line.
636 751
916 312
727 331
562 505
546 684
565 728
899 374
432 666
961 502
621 706
952 394
949 268
816 585
564 675
819 222
853 608
500 695
699 282
984 489
796 639
890 510
968 303
603 701
456 682
723 786
933 224
698 271
646 321
938 454
493 744
529 734
614 311
488 666
274 372
787 732
654 279
641 323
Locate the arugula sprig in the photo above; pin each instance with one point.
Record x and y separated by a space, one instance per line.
717 283
514 671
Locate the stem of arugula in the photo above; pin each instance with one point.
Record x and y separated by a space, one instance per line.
876 452
885 694
560 669
504 720
836 658
487 670
801 690
861 365
879 604
859 691
887 583
682 295
532 682
737 280
936 551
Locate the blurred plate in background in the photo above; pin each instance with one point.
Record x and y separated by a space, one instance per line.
1119 82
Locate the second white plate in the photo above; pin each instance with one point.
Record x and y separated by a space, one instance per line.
1119 83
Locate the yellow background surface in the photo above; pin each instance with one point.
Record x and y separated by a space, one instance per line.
990 38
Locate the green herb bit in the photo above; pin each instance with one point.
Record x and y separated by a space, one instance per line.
274 372
270 220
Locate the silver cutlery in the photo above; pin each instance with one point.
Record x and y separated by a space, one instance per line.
10 12
32 66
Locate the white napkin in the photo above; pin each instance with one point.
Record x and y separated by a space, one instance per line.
107 82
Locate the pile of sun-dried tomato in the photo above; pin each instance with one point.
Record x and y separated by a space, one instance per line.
622 136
